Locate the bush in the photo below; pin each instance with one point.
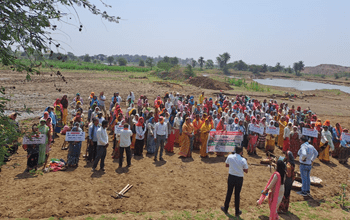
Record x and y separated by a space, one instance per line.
189 71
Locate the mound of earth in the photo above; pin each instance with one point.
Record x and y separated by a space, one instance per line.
208 83
326 69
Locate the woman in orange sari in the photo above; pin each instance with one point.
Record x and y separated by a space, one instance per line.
204 133
221 127
282 125
197 124
187 133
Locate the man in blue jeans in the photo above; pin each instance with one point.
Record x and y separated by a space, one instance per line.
307 154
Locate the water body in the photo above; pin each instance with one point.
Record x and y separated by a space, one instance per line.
301 85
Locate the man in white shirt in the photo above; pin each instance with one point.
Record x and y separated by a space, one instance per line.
100 118
93 139
102 144
101 103
307 154
125 143
160 137
237 167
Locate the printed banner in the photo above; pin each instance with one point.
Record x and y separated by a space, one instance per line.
256 128
310 132
75 136
272 130
35 140
345 136
220 141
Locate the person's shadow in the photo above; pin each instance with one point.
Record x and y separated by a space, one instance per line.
159 163
98 174
121 170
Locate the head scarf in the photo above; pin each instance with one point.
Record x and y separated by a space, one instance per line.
290 158
327 123
140 122
92 95
150 120
46 115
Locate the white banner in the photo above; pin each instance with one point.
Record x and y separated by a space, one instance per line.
256 128
310 132
75 136
118 129
273 130
35 140
345 136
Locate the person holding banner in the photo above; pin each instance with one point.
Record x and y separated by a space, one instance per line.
325 145
204 131
93 139
74 149
43 129
344 152
286 137
294 141
252 139
221 127
32 151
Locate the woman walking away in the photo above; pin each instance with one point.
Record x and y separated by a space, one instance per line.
275 190
290 165
140 129
74 149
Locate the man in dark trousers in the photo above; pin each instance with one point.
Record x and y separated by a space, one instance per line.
237 167
102 144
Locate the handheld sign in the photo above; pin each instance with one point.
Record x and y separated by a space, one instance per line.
118 129
219 141
272 130
345 136
310 132
256 128
34 140
75 136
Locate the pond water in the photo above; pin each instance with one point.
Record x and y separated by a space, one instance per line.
301 85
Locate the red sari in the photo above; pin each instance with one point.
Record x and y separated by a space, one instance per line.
169 147
294 144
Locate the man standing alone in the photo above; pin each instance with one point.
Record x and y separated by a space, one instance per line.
102 144
160 137
307 154
237 167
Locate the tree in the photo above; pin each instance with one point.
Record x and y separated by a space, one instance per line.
150 62
298 67
264 68
29 25
209 64
225 57
189 71
87 58
164 65
278 67
174 61
122 61
219 61
141 63
110 60
71 56
194 63
201 62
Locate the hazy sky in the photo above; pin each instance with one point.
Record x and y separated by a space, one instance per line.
255 31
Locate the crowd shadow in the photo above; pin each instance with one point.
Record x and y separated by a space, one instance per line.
24 175
330 164
288 216
138 157
70 169
159 163
346 165
211 160
98 174
169 153
186 159
121 170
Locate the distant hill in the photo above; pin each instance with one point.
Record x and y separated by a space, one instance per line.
326 69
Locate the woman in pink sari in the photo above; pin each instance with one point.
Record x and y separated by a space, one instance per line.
275 190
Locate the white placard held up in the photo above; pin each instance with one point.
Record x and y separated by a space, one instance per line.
256 128
118 129
345 136
273 130
34 140
310 132
75 136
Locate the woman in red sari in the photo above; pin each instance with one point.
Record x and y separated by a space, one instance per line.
221 127
295 141
169 147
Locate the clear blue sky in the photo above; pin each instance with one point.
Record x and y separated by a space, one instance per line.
256 31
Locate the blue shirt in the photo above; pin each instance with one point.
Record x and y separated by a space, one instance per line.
94 138
344 143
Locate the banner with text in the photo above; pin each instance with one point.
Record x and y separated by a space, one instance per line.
310 132
345 136
272 130
118 129
224 141
75 136
41 139
256 128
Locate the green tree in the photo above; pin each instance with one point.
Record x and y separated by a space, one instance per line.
220 62
278 67
141 63
122 61
225 57
87 58
164 65
201 62
71 56
174 61
298 67
150 62
189 71
209 64
166 59
110 60
264 68
194 63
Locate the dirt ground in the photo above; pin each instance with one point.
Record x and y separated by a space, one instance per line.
175 184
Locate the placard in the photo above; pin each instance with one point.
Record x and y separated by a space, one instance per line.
118 129
273 130
35 140
345 136
256 128
310 132
224 141
75 136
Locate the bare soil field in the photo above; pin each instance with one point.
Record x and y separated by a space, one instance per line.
175 184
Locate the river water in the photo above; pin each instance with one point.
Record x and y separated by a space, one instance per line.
301 85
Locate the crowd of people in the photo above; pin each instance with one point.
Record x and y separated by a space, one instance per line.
182 121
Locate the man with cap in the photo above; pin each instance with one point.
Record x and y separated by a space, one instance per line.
307 154
160 137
